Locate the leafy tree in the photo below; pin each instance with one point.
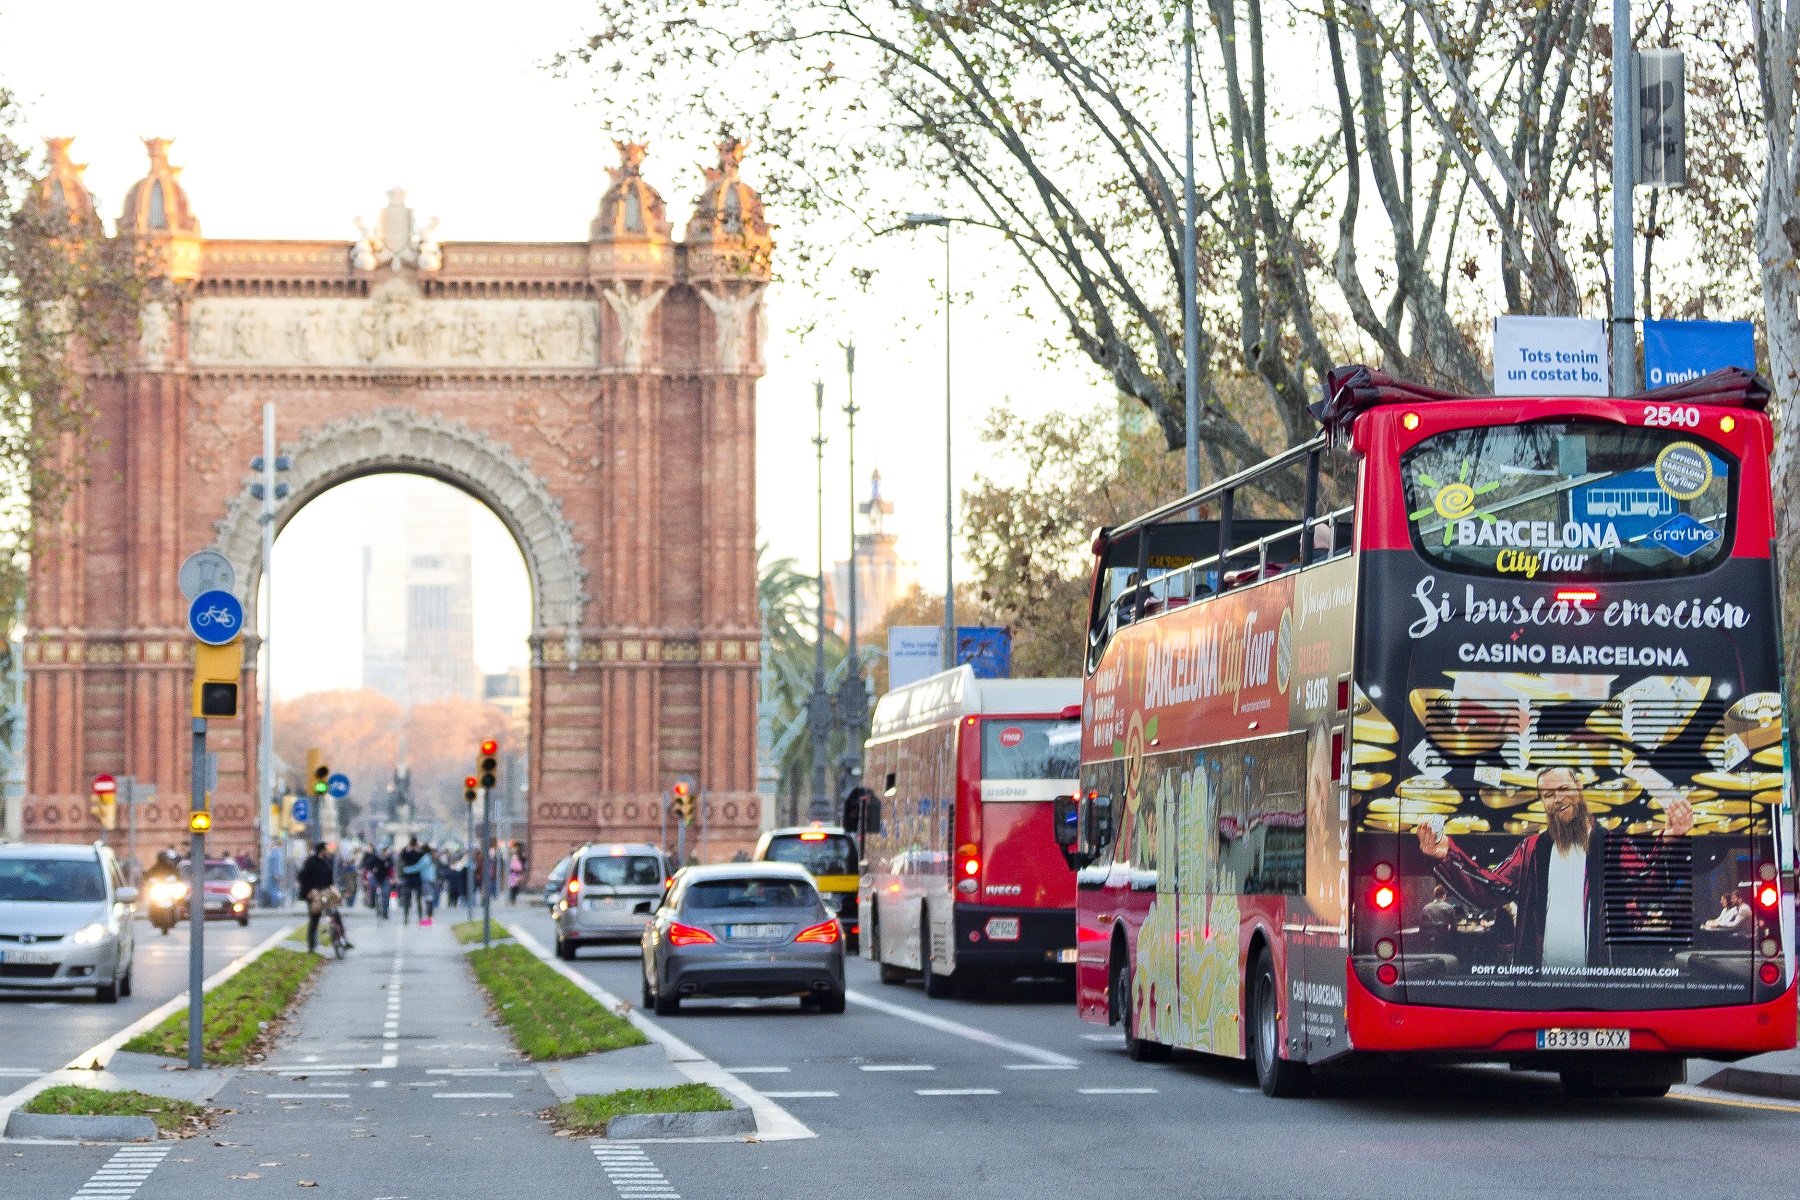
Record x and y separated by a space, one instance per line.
788 600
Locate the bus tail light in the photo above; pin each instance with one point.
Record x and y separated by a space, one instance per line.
1384 949
971 866
1576 595
1769 973
687 935
1766 895
1388 974
1385 896
825 932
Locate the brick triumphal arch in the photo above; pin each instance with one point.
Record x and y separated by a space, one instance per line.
597 395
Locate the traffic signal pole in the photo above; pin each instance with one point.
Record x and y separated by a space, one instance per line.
196 897
487 890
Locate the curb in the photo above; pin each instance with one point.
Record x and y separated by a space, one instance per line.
81 1128
1772 1084
732 1123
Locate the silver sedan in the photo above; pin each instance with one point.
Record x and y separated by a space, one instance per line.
743 929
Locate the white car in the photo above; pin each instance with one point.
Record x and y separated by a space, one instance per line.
65 920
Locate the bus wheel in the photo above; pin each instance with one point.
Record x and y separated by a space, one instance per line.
1137 1049
938 987
1277 1075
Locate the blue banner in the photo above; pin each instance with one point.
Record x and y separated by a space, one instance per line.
1677 351
987 648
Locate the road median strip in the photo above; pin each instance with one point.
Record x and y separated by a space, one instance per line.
467 932
548 1016
69 1110
687 1110
241 1016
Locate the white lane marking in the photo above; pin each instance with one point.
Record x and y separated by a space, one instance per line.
306 1095
21 1072
1117 1091
1102 1037
944 1025
484 1072
895 1067
471 1095
801 1095
1043 1066
759 1070
632 1174
773 1122
956 1091
123 1173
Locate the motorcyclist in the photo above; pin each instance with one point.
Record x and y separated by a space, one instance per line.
166 866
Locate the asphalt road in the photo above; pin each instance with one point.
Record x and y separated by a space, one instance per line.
911 1110
40 1031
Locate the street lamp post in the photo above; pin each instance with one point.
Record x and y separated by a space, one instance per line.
914 221
1624 176
1190 309
819 703
852 700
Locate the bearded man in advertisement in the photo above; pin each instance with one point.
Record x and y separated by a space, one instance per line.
1556 878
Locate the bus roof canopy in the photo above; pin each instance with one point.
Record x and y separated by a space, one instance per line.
958 692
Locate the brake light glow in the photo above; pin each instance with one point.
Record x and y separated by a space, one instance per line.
1767 894
1576 595
812 837
687 935
825 932
971 866
574 885
1385 896
1410 420
1769 973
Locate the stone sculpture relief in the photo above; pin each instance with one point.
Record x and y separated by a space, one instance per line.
394 327
154 334
730 325
397 240
634 314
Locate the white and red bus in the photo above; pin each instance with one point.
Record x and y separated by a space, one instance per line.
962 879
1475 754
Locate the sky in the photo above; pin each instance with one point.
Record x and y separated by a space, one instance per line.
292 120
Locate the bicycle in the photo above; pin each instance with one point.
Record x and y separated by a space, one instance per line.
340 942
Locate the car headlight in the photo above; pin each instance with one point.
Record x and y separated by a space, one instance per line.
87 935
240 890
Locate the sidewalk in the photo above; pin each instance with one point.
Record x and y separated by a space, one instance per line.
1776 1074
391 1081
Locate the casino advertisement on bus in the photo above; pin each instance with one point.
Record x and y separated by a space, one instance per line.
1578 784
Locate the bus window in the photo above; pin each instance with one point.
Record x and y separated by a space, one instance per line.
1558 500
1036 749
1262 817
832 854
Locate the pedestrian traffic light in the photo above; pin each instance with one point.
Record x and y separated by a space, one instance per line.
681 801
216 673
487 764
469 783
318 774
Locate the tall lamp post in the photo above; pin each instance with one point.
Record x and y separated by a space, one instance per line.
819 703
852 700
1190 312
914 221
1624 177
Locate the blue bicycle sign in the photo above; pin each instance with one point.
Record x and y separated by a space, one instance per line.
216 617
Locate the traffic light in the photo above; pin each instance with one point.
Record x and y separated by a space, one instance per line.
681 801
469 783
318 774
216 673
487 764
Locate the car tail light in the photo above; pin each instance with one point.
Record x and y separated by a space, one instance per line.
687 935
824 931
574 886
1767 894
1769 973
1388 974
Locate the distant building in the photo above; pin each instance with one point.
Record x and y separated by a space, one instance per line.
881 577
510 692
419 598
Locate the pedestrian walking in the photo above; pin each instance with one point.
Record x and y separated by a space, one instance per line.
376 868
427 873
409 879
315 879
515 876
456 875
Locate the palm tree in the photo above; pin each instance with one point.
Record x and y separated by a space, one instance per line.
788 600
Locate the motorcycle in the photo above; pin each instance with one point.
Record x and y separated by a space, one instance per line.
168 903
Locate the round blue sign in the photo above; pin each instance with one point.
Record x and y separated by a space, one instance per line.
338 785
216 617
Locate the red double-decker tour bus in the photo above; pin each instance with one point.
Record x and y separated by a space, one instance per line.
962 882
1471 745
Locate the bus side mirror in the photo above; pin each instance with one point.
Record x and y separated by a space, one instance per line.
871 814
1096 825
1065 824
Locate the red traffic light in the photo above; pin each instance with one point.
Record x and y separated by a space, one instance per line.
469 781
490 747
681 789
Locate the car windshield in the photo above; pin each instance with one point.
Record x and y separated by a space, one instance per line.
1040 749
1568 500
223 873
820 853
624 870
750 893
69 880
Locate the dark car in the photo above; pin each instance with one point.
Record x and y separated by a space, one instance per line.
743 929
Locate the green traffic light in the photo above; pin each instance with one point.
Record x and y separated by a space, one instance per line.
319 789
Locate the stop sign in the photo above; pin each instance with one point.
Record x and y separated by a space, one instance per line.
105 785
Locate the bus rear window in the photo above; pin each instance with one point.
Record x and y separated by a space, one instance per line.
1560 500
1040 749
831 854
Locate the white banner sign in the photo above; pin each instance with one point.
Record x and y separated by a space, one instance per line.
914 652
1550 356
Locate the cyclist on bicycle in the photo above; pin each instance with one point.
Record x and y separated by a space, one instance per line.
315 880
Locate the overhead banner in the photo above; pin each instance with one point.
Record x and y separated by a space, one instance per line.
1550 356
914 652
1677 351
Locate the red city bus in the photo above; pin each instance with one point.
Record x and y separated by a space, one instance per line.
962 880
1476 754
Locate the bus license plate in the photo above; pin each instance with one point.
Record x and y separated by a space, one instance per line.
1584 1039
1003 929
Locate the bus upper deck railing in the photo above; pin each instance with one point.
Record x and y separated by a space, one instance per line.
1224 487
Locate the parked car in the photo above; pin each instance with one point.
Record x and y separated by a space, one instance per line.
65 920
829 853
607 894
743 929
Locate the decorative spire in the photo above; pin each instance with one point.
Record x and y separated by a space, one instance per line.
728 213
157 205
630 209
62 186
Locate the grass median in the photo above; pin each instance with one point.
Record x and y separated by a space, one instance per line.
70 1100
470 931
585 1116
549 1016
237 1013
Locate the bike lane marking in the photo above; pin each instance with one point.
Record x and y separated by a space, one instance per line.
632 1174
773 1122
971 1032
124 1173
